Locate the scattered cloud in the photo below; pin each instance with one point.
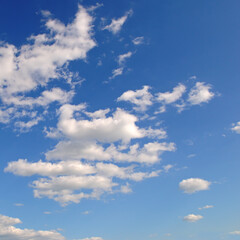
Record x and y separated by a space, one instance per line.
206 207
8 231
171 97
92 238
193 185
192 218
142 98
138 40
200 93
122 58
116 24
116 72
235 233
18 204
236 128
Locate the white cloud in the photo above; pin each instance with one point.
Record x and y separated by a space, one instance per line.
122 58
89 157
8 231
120 126
193 185
141 98
44 57
36 63
200 93
235 233
171 97
117 24
138 40
206 207
116 72
192 218
92 238
236 128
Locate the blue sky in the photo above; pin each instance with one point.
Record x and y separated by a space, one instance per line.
119 120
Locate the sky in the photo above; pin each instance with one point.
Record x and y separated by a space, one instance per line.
119 120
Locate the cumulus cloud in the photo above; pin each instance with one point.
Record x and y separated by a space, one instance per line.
171 97
44 57
142 98
200 93
192 218
193 185
90 155
236 128
8 231
116 24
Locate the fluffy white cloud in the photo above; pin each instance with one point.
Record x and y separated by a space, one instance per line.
171 97
206 207
200 93
117 24
192 218
8 231
88 141
32 66
122 58
235 233
236 127
36 63
120 126
193 185
138 40
142 98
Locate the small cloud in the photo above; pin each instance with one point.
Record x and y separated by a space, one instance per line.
116 72
168 234
193 185
191 155
236 128
18 204
167 167
235 233
47 213
193 77
117 24
138 40
200 93
192 218
86 212
206 207
122 58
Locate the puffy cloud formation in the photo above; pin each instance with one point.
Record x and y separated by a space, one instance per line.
236 127
200 93
91 153
43 58
8 231
116 24
141 98
171 97
193 185
192 218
